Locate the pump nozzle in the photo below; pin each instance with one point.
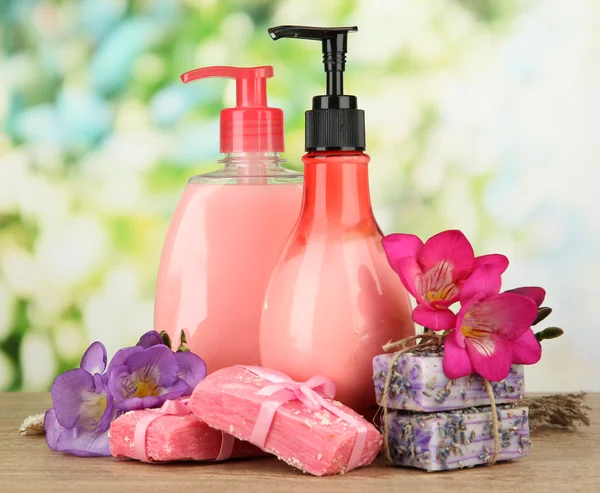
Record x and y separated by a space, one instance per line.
335 122
251 126
251 82
335 47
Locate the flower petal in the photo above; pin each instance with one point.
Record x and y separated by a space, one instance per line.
535 293
526 350
69 394
110 413
398 246
175 391
506 314
434 318
149 339
192 368
147 379
135 403
456 361
449 246
118 382
491 356
485 280
158 362
438 286
179 389
94 359
78 440
494 259
408 270
84 443
464 309
52 427
122 355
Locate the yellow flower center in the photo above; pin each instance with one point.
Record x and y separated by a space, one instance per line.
437 283
479 335
92 410
145 388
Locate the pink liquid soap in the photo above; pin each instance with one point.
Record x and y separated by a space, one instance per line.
228 230
221 248
334 300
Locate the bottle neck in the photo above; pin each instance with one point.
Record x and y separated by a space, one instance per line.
249 168
251 163
336 187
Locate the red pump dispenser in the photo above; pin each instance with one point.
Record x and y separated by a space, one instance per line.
228 231
251 126
333 300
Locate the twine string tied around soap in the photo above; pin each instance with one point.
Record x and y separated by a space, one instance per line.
418 343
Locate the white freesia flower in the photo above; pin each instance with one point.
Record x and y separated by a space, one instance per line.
43 200
49 299
20 271
7 305
7 372
14 177
72 250
112 174
69 341
38 363
118 313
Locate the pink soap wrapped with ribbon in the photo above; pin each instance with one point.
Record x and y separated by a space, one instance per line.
173 433
300 423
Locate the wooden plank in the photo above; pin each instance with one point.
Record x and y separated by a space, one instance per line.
560 461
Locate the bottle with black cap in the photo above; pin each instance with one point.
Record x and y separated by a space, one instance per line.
333 300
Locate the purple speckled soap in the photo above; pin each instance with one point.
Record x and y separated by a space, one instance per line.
457 439
419 384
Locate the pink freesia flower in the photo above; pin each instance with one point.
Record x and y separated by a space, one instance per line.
492 330
434 271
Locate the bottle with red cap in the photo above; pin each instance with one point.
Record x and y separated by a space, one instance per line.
228 230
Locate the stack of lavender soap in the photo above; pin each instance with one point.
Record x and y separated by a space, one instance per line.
435 423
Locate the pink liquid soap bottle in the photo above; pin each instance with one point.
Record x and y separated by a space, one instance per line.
228 231
333 300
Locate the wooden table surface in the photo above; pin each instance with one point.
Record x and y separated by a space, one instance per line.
560 460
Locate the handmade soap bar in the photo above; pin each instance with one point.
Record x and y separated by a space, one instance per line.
457 439
418 384
172 438
316 441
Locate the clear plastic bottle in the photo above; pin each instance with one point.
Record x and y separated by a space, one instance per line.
228 232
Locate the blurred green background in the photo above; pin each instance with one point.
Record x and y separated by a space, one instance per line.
482 115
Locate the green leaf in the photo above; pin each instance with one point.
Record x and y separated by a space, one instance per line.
549 333
183 339
543 312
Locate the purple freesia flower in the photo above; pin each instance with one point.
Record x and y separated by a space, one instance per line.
83 408
139 378
87 399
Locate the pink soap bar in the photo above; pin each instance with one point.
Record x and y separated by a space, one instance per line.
173 438
317 442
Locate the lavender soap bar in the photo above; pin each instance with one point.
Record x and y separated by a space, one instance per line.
419 384
445 441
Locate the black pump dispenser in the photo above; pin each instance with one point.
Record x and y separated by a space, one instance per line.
335 123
